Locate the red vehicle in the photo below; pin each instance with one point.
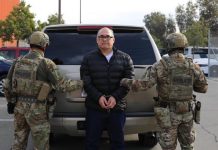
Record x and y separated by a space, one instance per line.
13 52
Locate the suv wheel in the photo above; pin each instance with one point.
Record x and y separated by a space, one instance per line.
214 71
1 85
148 140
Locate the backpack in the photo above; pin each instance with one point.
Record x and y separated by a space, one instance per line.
24 81
179 86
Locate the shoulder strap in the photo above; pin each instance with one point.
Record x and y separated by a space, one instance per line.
164 61
18 59
191 66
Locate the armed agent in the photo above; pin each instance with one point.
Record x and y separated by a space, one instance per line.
175 77
29 81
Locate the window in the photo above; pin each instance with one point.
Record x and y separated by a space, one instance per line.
23 52
8 54
69 48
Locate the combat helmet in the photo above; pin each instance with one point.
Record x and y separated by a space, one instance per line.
176 41
39 38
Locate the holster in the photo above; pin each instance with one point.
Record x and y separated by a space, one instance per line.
10 107
197 112
12 100
51 103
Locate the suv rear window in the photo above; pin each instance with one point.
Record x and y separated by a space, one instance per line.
68 48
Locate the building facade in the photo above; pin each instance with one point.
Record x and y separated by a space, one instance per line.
6 6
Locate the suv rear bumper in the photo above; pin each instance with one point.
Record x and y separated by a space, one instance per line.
133 125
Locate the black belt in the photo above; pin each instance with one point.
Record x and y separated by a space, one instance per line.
170 105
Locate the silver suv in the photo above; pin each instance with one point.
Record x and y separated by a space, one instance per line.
69 44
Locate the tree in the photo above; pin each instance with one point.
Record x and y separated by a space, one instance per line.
159 26
181 18
170 23
194 26
40 25
1 27
191 13
209 12
19 24
185 17
187 20
197 34
52 19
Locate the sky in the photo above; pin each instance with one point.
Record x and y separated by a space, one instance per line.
128 12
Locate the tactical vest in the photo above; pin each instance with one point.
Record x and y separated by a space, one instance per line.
178 84
24 81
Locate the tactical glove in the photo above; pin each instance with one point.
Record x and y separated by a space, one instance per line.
126 82
10 107
136 85
132 84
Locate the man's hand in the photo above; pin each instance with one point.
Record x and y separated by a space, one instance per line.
103 102
107 103
111 102
10 107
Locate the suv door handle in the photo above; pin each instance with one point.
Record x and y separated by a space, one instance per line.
76 100
140 67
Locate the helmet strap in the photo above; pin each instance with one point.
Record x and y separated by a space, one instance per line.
38 47
176 50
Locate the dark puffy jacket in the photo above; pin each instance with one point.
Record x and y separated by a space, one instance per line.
103 78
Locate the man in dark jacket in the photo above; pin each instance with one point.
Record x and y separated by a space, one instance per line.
102 71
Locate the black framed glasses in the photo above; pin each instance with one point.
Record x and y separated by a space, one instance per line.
106 37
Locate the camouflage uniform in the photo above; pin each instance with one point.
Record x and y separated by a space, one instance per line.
175 77
30 113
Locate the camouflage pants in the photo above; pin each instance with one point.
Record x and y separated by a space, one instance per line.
181 129
31 117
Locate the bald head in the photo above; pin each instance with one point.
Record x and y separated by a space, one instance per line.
105 29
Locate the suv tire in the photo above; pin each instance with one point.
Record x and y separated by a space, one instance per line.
213 71
148 140
1 85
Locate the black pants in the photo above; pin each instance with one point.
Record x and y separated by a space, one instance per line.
97 121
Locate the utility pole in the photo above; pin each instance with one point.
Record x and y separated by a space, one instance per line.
80 14
59 11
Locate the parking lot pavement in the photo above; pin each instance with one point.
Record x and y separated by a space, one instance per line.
207 131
